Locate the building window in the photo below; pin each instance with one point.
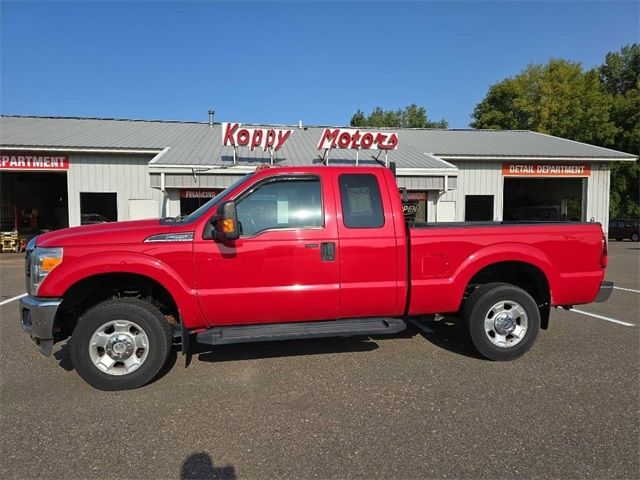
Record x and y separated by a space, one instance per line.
361 201
98 208
419 200
286 203
478 208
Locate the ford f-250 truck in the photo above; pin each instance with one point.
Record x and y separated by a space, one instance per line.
289 253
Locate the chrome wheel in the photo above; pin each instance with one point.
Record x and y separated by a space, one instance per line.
506 323
119 347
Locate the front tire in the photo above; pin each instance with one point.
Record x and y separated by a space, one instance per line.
635 237
120 344
502 321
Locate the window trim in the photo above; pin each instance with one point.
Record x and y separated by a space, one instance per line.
276 178
384 217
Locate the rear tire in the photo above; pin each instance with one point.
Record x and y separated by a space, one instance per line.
635 237
120 344
502 321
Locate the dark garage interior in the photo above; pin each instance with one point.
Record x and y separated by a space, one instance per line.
33 202
543 199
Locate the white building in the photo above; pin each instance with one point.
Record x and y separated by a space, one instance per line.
70 171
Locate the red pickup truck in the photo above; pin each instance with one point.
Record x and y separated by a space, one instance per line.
289 253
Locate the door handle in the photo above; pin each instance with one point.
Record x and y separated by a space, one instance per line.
328 251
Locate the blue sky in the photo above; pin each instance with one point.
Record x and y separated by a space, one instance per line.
282 62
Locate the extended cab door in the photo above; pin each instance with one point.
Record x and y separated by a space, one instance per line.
284 266
368 250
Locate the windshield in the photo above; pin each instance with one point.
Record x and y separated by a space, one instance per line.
214 201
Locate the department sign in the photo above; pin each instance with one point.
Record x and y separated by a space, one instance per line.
545 170
33 161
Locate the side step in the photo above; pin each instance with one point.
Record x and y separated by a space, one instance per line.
297 330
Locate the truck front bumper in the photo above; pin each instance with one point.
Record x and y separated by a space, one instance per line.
606 289
37 316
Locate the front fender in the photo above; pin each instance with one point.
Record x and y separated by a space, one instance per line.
73 270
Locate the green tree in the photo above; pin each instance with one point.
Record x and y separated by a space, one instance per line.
558 98
411 116
620 77
600 106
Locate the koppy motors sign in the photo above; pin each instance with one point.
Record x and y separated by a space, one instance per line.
349 138
235 135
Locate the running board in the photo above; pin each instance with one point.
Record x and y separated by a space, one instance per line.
299 330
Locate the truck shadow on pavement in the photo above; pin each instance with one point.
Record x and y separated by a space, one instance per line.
445 334
199 466
64 360
285 348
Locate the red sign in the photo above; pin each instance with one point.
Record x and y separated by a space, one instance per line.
545 170
348 138
33 161
417 196
185 193
265 138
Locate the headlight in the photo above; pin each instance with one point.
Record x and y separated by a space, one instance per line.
43 261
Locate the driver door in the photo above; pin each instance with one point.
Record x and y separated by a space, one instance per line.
284 266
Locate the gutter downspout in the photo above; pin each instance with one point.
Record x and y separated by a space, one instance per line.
165 197
441 193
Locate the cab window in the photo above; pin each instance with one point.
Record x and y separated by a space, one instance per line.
281 203
361 201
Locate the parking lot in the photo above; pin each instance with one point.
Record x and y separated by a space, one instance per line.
418 405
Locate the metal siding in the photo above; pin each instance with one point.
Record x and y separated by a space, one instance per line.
598 195
421 183
172 203
477 178
123 175
179 180
154 180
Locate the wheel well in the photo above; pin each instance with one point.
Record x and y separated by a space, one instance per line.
98 288
524 275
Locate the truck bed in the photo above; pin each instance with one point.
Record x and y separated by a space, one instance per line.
444 259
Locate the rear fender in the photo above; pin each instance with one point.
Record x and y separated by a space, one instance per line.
498 253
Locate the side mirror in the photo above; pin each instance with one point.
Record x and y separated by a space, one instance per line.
225 223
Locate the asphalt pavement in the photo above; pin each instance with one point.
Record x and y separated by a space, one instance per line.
417 405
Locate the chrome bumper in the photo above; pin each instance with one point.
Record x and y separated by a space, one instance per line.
606 289
37 316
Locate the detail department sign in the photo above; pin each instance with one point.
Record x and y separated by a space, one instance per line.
545 170
33 161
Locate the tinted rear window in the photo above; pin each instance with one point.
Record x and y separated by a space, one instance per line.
361 201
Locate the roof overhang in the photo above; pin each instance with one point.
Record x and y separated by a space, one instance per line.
109 150
510 158
208 169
